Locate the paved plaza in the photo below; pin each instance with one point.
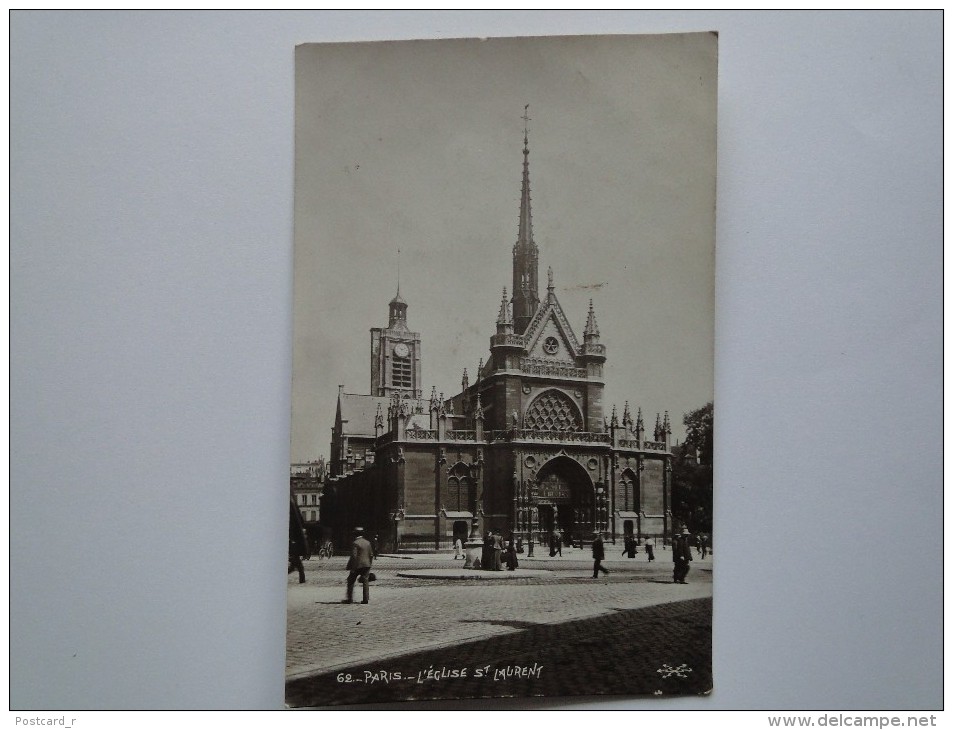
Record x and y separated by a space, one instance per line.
634 630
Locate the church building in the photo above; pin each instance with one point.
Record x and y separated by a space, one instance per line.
526 447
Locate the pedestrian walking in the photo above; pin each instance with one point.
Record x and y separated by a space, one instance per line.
598 555
457 549
297 542
374 548
629 546
704 543
681 556
558 541
359 565
497 551
650 551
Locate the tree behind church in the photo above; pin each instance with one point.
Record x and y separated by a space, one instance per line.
692 498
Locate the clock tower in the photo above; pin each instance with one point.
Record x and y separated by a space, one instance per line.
395 355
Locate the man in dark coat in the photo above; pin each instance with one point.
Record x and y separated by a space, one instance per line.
598 555
681 555
359 565
486 557
297 542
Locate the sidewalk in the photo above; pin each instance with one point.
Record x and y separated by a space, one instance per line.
660 650
406 615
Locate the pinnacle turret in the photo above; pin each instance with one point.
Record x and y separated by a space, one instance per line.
504 321
591 333
627 417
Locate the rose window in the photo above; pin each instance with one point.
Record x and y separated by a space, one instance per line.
553 411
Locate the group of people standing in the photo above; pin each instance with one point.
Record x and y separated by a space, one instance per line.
498 552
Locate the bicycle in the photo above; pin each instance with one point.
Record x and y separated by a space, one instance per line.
326 551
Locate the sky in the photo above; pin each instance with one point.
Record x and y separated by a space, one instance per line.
417 146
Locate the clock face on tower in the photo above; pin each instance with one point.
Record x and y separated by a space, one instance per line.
401 350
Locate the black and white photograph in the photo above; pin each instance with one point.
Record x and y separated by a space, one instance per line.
433 309
505 490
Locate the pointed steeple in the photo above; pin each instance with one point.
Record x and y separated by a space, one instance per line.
666 426
525 251
478 418
614 422
480 370
627 417
504 322
465 382
658 427
379 421
397 306
434 403
525 239
639 425
591 333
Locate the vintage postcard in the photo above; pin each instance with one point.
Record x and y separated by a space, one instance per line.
502 405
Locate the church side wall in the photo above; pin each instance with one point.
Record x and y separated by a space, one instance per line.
498 490
652 497
419 528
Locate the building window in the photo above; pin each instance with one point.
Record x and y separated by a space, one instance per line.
627 491
553 411
302 499
459 490
314 499
401 373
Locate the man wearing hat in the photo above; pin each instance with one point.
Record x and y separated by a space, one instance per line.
359 565
598 555
681 555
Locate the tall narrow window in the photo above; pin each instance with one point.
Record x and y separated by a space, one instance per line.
401 373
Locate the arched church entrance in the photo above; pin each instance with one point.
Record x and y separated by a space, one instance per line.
565 501
461 531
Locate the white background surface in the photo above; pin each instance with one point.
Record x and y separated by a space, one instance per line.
151 249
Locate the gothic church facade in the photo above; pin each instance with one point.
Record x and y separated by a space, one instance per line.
525 447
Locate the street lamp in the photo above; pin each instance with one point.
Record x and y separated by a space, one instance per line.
531 513
601 517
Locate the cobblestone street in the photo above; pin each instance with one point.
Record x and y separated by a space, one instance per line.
613 628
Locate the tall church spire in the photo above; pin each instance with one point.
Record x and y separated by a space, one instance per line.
397 306
525 251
